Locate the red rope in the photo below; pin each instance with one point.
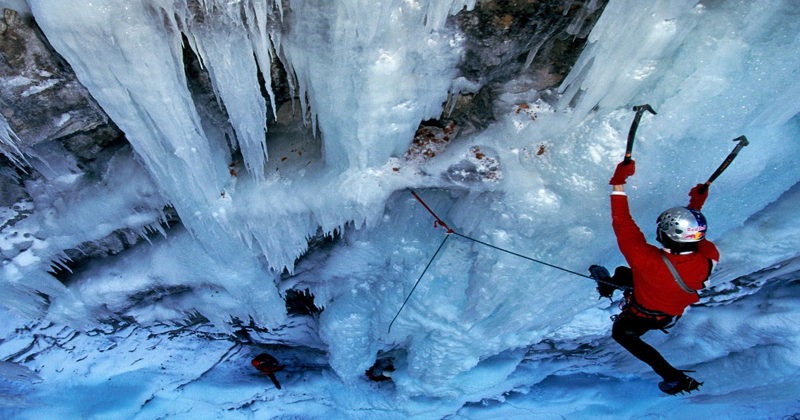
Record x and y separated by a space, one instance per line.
438 222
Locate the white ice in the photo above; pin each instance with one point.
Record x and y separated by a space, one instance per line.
486 334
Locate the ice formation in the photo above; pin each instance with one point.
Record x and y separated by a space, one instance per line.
8 143
482 324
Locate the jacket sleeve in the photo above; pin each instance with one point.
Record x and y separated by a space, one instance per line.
709 250
696 200
632 242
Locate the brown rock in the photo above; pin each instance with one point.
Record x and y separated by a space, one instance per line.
40 95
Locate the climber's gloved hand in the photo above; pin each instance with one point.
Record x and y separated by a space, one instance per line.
696 198
604 286
605 290
622 172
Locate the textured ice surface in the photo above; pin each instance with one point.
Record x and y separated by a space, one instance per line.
194 373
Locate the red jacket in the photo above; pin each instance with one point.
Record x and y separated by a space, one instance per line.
654 287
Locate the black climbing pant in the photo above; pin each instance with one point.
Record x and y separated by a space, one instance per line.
627 331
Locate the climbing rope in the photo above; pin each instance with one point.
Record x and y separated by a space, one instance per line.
418 280
523 256
440 222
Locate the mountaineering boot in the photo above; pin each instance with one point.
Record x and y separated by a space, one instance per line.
603 278
684 384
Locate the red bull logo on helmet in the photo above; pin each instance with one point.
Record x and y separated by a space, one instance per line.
696 236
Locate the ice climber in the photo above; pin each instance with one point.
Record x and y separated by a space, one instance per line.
381 371
268 365
661 282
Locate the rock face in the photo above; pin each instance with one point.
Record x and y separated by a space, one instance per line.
11 190
40 97
58 126
506 39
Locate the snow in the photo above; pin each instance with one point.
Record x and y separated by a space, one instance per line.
169 325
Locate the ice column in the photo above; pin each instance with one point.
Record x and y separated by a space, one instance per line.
129 56
372 71
133 66
221 39
623 49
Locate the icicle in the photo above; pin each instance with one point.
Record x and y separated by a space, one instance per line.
157 226
8 144
575 26
617 51
567 6
218 39
537 45
438 11
452 100
257 18
280 7
59 263
291 80
143 232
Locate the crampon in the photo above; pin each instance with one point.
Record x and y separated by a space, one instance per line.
686 384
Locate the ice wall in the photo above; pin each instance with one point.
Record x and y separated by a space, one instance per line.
405 60
721 50
142 87
552 202
713 71
340 56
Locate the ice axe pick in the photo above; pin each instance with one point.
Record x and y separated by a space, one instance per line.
742 142
640 109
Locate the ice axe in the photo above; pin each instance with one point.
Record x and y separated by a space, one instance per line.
742 143
640 109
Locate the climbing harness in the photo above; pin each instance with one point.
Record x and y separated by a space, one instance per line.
629 307
677 276
439 222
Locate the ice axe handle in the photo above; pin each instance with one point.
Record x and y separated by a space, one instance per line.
742 140
640 109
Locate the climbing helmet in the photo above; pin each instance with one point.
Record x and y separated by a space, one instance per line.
682 225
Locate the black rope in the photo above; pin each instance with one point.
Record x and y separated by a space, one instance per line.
522 256
417 283
449 231
541 262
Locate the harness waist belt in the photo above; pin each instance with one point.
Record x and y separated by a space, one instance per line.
638 309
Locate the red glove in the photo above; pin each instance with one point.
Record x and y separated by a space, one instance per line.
622 172
697 199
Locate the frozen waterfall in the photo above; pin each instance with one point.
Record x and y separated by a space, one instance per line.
254 182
